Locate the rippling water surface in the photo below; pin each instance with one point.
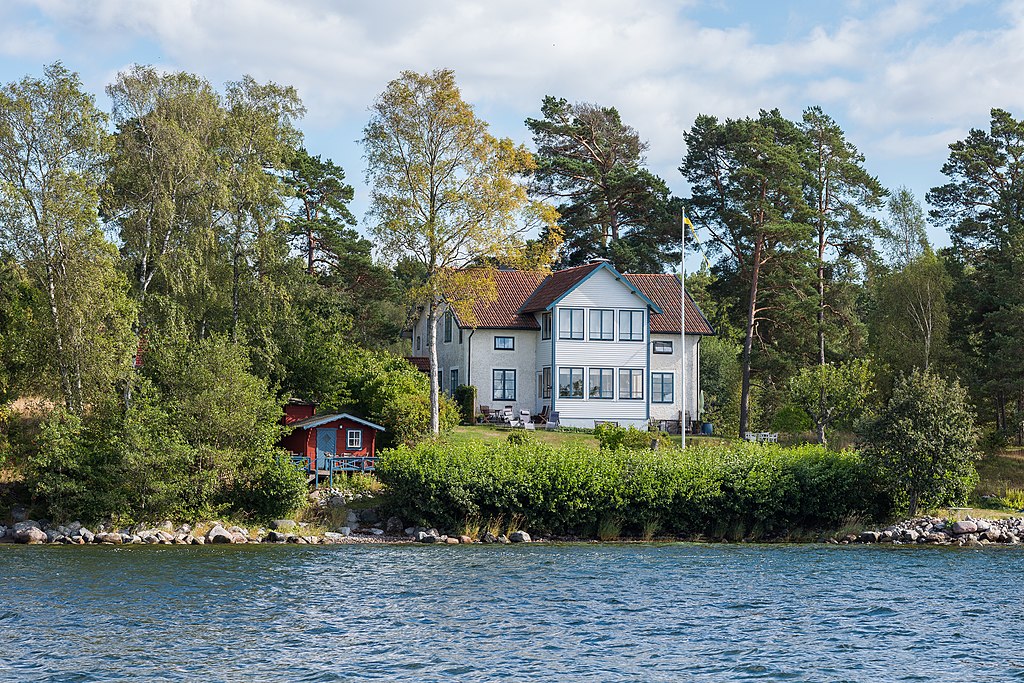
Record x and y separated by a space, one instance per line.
524 613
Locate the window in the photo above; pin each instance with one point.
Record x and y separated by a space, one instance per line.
354 439
570 323
545 326
631 384
447 328
602 383
631 325
460 335
602 324
570 382
662 387
503 383
440 380
662 347
418 342
455 380
504 343
546 382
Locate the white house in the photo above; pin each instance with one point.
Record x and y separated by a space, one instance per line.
587 342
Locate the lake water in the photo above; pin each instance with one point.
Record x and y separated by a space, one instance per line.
674 612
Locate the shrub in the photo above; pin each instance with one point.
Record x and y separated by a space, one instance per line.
573 489
465 399
612 437
922 444
268 486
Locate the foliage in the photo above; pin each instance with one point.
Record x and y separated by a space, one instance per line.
572 489
465 399
592 165
832 395
923 442
982 205
444 194
612 437
720 380
267 486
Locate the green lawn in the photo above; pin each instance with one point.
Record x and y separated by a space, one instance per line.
491 434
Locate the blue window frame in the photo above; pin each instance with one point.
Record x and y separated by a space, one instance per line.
570 382
503 385
631 384
662 387
602 383
631 325
602 324
570 323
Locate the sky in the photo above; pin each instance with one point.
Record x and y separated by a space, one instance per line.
903 78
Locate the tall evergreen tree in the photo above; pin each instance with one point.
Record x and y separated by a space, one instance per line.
591 165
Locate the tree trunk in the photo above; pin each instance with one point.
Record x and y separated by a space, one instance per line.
821 433
913 503
435 391
748 341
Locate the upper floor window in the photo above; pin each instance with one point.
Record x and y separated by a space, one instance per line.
661 346
570 323
505 343
419 345
631 384
448 327
545 326
631 325
602 324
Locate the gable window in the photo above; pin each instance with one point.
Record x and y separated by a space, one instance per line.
631 384
503 385
570 323
460 335
602 324
447 328
545 326
504 343
353 439
570 382
631 325
661 347
545 381
455 380
602 383
662 384
418 342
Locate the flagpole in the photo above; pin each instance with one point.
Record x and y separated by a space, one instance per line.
682 323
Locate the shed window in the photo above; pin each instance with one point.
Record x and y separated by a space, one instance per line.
505 343
354 439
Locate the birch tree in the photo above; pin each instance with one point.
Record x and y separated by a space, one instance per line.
53 144
444 193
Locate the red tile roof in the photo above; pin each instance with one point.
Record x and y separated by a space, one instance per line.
557 284
421 363
664 290
514 287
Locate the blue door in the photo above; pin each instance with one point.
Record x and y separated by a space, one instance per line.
326 446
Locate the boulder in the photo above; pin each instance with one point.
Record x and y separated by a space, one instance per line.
465 539
451 540
352 519
110 537
424 537
865 537
523 537
283 524
25 524
993 534
276 537
19 514
219 534
87 535
31 535
336 502
982 525
911 535
965 527
369 516
488 537
333 536
393 525
345 531
503 539
73 529
166 525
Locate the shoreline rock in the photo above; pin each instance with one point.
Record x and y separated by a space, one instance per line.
926 530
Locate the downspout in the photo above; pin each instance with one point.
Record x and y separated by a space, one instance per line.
469 370
647 379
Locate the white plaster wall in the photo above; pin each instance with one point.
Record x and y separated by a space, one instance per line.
672 363
486 358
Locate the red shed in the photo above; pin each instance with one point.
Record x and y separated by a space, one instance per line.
351 441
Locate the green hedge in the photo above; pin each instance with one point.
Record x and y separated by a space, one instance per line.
734 490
